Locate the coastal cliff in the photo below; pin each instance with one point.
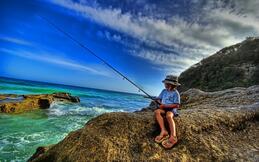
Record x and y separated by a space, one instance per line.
233 66
222 126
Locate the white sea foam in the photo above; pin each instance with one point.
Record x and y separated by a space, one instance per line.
56 112
101 110
22 134
60 109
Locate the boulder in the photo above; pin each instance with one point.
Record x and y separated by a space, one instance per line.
11 103
218 126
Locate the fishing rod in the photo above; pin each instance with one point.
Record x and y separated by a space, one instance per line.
91 52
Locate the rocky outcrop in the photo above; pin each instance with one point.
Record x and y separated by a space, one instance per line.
11 103
234 97
234 66
212 126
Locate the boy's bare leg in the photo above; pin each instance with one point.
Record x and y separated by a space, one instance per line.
170 119
160 120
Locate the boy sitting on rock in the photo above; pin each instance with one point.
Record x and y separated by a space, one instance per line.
169 99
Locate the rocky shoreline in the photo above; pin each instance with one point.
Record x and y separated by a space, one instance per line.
221 126
213 126
11 103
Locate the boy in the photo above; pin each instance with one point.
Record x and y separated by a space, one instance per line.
170 101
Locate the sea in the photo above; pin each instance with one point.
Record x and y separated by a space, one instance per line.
21 134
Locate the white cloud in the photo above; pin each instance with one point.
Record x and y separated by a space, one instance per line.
215 26
111 37
167 63
234 24
15 40
49 58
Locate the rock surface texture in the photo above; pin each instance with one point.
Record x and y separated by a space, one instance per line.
212 126
11 103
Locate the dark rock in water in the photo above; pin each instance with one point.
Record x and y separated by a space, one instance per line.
218 126
11 103
44 103
234 66
66 96
40 151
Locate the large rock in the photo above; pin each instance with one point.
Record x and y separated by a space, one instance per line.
209 128
238 96
234 66
11 103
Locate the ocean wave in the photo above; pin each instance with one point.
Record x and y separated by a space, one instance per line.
21 134
60 109
14 147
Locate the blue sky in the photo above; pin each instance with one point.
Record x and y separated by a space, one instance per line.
144 39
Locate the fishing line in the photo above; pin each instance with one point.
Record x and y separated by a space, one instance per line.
91 52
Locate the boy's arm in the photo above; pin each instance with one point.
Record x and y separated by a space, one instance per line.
162 106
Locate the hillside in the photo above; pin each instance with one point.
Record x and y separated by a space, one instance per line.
234 66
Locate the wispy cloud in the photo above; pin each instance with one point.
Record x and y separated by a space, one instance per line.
15 40
214 26
111 37
165 59
49 58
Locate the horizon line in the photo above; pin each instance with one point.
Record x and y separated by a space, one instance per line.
72 85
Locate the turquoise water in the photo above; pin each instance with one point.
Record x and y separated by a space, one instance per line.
21 134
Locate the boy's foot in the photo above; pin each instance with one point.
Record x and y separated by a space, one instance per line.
170 142
161 137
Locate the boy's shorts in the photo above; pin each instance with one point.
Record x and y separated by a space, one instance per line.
173 110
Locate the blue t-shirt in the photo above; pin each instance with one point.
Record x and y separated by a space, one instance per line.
169 97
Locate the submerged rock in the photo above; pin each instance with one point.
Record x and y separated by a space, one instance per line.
209 128
11 103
